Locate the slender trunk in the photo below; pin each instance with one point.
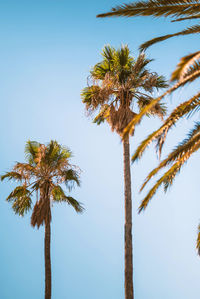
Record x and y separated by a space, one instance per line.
129 294
47 253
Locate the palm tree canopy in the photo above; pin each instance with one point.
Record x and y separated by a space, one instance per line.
47 167
119 83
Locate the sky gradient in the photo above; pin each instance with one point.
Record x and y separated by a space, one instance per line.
47 50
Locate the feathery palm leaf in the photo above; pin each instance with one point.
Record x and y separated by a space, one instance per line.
178 158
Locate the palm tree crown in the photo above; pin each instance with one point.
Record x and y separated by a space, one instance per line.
46 169
118 84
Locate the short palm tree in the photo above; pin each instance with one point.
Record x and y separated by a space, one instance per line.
187 70
117 84
46 169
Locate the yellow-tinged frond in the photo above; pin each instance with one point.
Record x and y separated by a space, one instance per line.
129 129
183 66
182 150
193 17
179 157
190 30
158 8
198 241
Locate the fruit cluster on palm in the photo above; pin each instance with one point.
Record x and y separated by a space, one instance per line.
47 168
119 88
187 70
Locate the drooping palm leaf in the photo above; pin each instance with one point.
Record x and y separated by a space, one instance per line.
178 158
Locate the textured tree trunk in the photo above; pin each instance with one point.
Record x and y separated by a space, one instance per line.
128 223
47 253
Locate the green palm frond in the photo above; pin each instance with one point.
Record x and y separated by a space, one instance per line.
70 177
22 205
93 96
56 154
159 109
59 195
21 198
103 114
108 53
141 63
78 207
31 151
18 192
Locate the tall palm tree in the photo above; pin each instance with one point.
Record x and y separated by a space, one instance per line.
117 84
187 70
46 169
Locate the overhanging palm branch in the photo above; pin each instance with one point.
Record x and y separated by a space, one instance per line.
185 109
159 8
177 158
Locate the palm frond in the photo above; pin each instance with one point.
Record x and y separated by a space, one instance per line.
70 177
184 65
31 150
193 17
179 157
198 241
21 198
12 175
59 195
78 207
103 114
160 8
190 30
185 147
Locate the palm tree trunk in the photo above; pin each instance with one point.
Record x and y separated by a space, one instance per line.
128 223
47 253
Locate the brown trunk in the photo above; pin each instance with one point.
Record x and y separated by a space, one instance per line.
47 253
128 223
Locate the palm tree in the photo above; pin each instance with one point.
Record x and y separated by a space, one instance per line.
46 169
187 70
118 83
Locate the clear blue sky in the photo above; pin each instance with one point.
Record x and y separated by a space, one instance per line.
47 49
